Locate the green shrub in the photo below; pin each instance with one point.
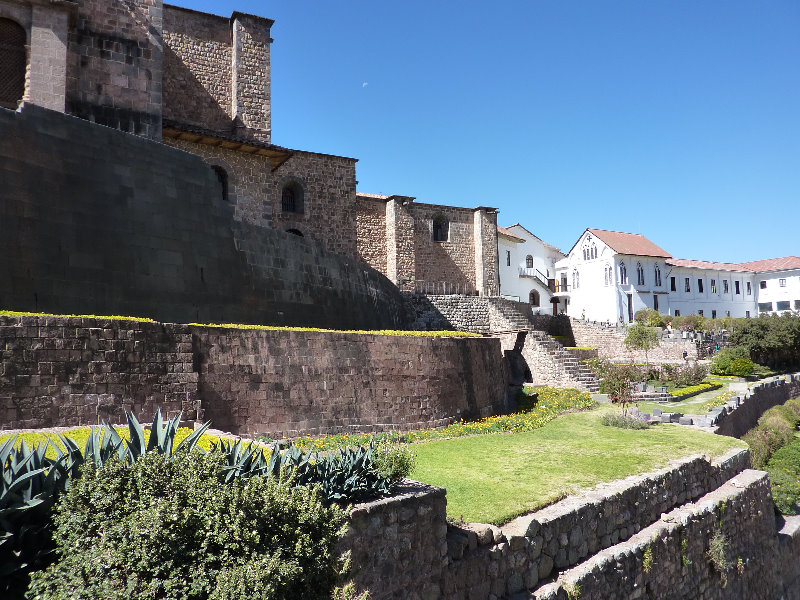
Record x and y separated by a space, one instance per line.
649 317
160 528
393 461
784 475
623 421
775 429
742 367
692 389
692 374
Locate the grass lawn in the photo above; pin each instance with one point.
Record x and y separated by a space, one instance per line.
494 478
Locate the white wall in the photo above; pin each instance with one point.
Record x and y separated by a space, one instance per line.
774 292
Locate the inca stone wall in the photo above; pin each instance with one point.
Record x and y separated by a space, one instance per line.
286 382
460 313
451 262
372 233
63 371
610 343
759 398
96 221
402 547
80 371
115 65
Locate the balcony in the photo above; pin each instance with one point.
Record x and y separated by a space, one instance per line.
536 274
558 288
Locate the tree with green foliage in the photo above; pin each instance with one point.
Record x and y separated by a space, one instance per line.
642 337
772 340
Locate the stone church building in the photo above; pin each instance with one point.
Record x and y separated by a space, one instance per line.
201 83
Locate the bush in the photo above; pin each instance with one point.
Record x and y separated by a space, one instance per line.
624 421
723 362
393 461
784 475
649 317
775 430
689 375
161 528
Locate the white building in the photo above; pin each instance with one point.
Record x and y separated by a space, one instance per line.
527 267
609 275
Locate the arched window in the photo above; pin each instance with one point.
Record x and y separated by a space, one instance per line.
222 179
441 229
575 279
639 274
623 274
658 276
529 262
292 198
533 298
13 63
585 254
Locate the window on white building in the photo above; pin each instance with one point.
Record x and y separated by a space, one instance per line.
687 286
782 305
594 250
508 258
797 304
623 274
728 313
746 313
672 286
713 314
764 306
700 312
575 280
762 285
737 287
677 313
700 285
713 286
639 274
608 275
749 289
724 286
529 262
658 276
782 282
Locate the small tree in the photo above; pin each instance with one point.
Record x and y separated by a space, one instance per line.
617 381
641 337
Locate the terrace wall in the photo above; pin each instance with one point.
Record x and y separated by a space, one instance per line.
402 547
64 371
760 398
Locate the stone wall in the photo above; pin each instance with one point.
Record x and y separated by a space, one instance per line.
115 65
372 232
450 312
197 69
284 383
451 261
63 371
80 371
618 519
610 343
96 221
760 397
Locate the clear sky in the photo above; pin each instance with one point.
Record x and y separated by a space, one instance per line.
677 119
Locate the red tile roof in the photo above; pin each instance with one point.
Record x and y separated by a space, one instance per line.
634 244
505 232
705 264
772 264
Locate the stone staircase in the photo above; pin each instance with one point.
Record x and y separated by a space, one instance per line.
573 369
508 315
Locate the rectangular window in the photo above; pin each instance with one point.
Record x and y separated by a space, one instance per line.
672 284
724 286
677 313
508 258
700 285
797 304
713 286
782 305
782 282
737 287
746 313
764 306
762 285
687 285
655 301
728 313
749 289
713 314
700 312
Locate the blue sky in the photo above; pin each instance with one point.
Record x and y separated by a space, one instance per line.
676 119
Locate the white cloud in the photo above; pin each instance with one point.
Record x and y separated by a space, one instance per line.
365 84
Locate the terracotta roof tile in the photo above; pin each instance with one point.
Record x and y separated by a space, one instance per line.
505 232
772 264
634 244
705 264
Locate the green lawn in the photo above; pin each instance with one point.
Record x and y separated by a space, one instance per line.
695 404
493 478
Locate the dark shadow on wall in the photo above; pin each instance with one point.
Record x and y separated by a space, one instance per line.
186 100
95 221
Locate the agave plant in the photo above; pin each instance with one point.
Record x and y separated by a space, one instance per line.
162 436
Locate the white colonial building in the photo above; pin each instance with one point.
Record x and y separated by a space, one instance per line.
527 267
609 275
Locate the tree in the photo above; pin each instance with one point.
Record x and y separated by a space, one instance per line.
642 337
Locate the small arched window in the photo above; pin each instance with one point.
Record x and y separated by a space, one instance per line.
441 229
533 298
13 63
639 274
608 275
222 179
292 198
594 250
623 274
575 279
658 276
529 262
